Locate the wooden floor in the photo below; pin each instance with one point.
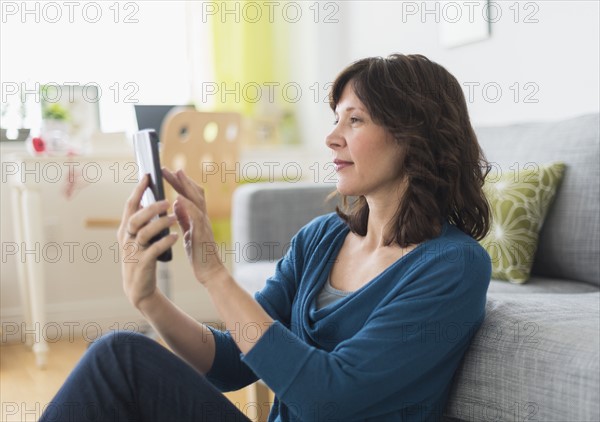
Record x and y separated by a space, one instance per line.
25 389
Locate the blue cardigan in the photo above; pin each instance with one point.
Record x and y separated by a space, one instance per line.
386 352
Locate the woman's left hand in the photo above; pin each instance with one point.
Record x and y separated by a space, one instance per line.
190 209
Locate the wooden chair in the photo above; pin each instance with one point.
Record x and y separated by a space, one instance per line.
206 146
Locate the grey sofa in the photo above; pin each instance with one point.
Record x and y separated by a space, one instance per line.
536 356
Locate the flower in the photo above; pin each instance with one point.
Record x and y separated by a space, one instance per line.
38 144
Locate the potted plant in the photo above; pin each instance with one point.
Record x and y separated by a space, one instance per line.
55 127
55 112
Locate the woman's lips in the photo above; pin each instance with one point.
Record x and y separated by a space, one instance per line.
341 164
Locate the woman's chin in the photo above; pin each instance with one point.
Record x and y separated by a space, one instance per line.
346 190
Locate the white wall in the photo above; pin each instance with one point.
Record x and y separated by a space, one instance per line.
559 54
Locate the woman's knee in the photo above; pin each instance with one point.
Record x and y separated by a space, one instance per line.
119 342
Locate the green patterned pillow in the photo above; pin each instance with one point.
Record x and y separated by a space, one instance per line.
519 201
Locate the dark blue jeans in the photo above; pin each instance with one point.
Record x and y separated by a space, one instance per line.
128 377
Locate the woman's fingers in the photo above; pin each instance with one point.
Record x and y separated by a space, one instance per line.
190 186
143 216
160 246
133 202
132 205
172 180
178 184
136 196
188 208
182 216
146 233
185 186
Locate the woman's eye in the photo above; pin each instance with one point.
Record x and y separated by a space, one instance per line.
352 120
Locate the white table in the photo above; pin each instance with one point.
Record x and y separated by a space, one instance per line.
27 177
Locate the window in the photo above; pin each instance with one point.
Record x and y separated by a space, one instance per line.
135 52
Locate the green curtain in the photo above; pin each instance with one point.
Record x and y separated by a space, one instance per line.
251 52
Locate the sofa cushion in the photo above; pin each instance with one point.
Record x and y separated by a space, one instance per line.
535 357
569 242
253 276
519 201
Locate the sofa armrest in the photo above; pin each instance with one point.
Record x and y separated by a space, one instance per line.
265 216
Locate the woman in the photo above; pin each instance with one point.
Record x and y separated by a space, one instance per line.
370 312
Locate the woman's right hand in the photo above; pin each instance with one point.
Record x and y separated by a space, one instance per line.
138 257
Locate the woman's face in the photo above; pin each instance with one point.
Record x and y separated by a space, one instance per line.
366 156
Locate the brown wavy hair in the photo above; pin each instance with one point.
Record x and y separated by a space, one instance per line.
422 105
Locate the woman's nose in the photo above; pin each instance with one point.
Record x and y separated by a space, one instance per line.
334 140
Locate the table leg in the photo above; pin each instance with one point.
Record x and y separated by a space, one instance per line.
19 234
34 240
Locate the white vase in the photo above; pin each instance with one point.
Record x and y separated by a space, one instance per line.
55 134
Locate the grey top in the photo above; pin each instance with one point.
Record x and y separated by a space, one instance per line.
329 295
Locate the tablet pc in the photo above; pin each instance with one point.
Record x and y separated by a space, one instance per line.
146 147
